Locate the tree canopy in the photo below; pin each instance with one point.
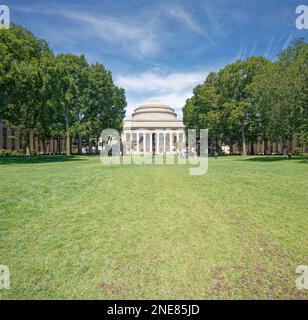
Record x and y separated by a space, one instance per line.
55 96
253 98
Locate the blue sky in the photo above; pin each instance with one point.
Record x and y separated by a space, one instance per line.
161 49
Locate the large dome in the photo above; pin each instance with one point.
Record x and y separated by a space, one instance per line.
154 110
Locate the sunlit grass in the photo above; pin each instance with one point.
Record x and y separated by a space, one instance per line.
73 228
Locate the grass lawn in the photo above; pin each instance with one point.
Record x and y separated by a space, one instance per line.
75 229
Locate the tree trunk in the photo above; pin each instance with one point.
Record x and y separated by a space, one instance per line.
216 145
59 145
291 147
71 145
231 147
44 146
79 144
265 146
90 142
252 150
243 141
68 142
28 148
97 141
90 146
285 146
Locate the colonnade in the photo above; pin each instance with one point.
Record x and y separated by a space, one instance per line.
153 141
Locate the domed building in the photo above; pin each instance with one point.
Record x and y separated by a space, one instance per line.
153 129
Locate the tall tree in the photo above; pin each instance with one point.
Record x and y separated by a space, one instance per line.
106 104
73 76
234 83
50 96
280 93
48 111
20 52
204 111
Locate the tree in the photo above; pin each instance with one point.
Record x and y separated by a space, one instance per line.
19 80
234 83
106 104
73 78
24 100
50 96
280 94
48 111
204 111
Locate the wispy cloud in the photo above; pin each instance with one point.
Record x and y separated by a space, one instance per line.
241 54
253 49
287 42
186 18
268 50
136 39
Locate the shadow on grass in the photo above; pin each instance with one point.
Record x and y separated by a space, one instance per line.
298 159
38 159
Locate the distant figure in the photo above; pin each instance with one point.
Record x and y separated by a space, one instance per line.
215 154
182 154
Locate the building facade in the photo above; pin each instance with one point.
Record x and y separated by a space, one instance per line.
10 140
153 129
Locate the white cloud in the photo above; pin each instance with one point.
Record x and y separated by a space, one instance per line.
185 17
287 42
253 49
155 82
268 50
138 39
173 88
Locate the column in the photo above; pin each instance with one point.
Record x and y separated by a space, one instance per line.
157 142
171 142
139 144
143 142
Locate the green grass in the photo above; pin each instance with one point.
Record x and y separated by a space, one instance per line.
72 228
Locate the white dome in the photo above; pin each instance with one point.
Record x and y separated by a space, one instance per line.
154 110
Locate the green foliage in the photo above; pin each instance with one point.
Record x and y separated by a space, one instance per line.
298 151
254 98
17 45
280 93
9 153
54 96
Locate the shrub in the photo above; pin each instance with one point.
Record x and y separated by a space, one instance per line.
298 152
4 153
9 153
16 153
